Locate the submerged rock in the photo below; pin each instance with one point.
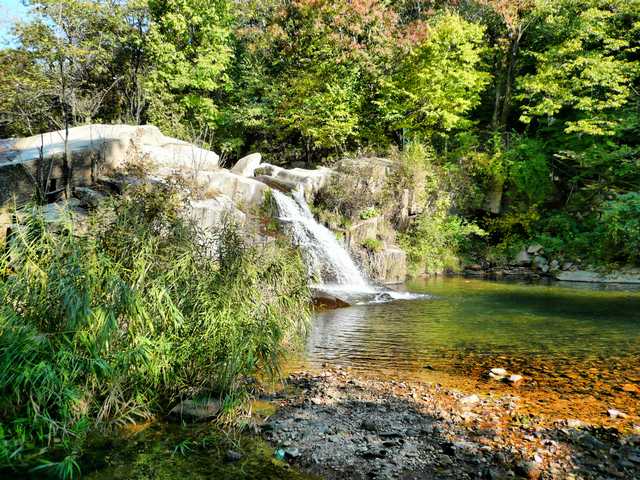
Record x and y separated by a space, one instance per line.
515 379
195 410
498 373
326 301
613 413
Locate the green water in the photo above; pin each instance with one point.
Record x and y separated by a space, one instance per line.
174 452
469 321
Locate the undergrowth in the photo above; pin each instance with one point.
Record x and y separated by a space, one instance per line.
119 325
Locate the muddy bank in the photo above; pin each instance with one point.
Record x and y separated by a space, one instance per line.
336 425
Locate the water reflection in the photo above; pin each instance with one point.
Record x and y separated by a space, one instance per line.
479 317
578 345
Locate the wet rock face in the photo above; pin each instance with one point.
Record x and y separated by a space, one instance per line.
338 426
326 301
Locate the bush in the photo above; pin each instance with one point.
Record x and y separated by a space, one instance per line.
373 245
620 229
435 242
116 326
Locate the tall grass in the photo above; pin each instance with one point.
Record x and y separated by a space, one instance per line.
117 325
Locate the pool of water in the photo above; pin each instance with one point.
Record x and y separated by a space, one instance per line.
568 340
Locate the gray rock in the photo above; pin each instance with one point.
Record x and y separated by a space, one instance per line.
89 198
214 212
596 277
534 248
539 261
195 410
232 456
523 258
246 166
291 452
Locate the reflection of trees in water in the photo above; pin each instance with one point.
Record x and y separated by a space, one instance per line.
566 340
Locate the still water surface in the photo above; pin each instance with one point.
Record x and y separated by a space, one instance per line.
479 317
567 339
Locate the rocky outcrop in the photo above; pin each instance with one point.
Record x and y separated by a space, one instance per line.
361 231
246 166
388 265
95 150
596 277
311 181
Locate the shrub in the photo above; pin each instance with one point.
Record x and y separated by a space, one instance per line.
105 329
435 241
373 245
370 212
620 228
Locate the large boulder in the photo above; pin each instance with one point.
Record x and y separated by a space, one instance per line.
246 166
214 212
243 191
389 265
180 156
311 181
95 149
110 141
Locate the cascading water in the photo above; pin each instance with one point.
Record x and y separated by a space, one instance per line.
327 260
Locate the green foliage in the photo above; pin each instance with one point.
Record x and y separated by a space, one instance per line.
439 81
528 170
95 334
620 226
585 63
374 245
189 45
435 241
370 212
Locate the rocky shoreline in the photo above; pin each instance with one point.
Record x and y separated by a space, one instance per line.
336 425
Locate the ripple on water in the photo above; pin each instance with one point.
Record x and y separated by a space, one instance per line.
583 340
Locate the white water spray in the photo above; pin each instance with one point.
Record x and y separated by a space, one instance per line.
327 260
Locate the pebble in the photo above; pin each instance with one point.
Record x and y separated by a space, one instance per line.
613 413
232 456
514 379
470 400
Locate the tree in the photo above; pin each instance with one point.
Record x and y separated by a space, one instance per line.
586 65
190 50
439 81
514 20
315 68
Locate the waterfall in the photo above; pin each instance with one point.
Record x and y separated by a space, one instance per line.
327 260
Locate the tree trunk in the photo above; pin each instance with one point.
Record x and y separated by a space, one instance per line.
508 83
67 167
